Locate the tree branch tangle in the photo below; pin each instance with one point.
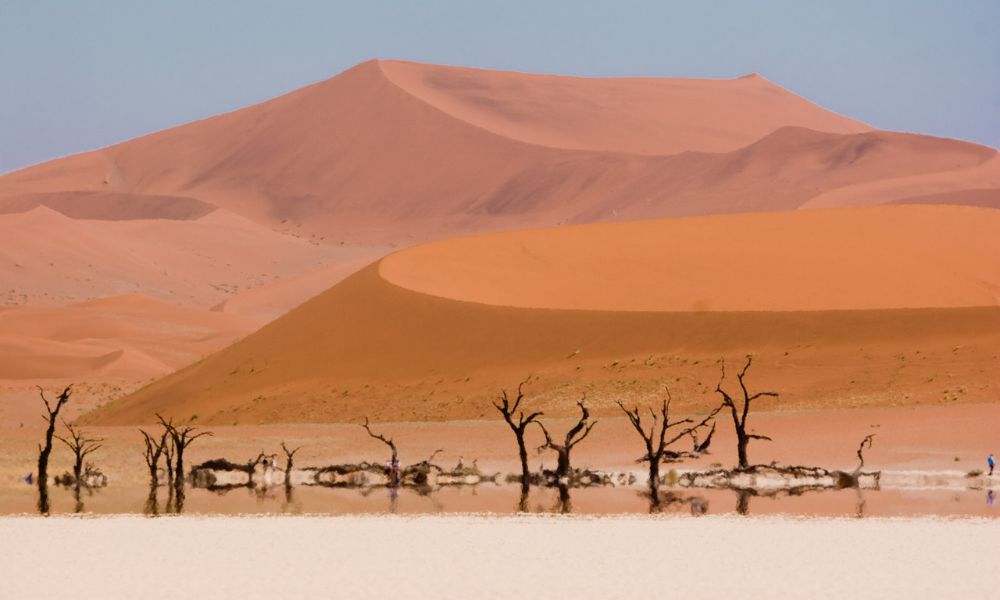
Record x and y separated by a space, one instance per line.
655 439
574 436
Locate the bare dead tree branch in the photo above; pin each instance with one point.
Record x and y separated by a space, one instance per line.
655 439
574 436
182 436
740 410
518 425
867 442
384 440
81 446
154 448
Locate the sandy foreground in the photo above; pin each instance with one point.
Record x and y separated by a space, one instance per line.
476 557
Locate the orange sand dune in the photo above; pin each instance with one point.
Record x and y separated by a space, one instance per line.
127 337
368 346
843 259
283 198
638 115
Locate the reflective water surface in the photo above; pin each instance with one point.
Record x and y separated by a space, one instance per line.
500 499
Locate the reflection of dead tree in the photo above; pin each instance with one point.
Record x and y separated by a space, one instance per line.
518 427
81 446
46 450
655 439
659 503
574 436
741 412
743 501
289 457
393 470
252 466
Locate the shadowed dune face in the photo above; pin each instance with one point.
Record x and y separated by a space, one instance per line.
368 346
110 206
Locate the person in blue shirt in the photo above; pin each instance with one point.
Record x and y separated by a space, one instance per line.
991 462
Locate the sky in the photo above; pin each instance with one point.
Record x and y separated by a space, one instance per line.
81 75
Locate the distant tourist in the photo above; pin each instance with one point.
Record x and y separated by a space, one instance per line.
991 462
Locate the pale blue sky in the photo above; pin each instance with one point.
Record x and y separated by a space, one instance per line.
80 75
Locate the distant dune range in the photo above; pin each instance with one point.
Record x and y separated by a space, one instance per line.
858 323
247 214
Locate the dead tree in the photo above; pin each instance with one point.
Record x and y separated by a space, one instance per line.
740 410
168 458
182 437
655 439
574 436
45 450
508 411
81 446
152 453
289 456
393 471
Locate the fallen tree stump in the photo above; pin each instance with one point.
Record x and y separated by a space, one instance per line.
790 479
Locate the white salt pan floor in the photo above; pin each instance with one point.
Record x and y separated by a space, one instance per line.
483 557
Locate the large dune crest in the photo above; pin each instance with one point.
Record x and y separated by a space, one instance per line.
636 115
391 153
837 259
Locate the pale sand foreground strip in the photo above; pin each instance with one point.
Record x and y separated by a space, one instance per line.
475 557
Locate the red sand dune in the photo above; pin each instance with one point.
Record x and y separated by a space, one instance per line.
287 196
371 346
49 258
125 337
391 152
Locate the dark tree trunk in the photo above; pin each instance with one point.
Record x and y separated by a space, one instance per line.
522 502
179 466
743 502
508 411
565 505
741 449
43 472
522 451
45 450
562 462
152 507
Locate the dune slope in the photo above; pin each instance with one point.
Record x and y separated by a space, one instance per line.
369 346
